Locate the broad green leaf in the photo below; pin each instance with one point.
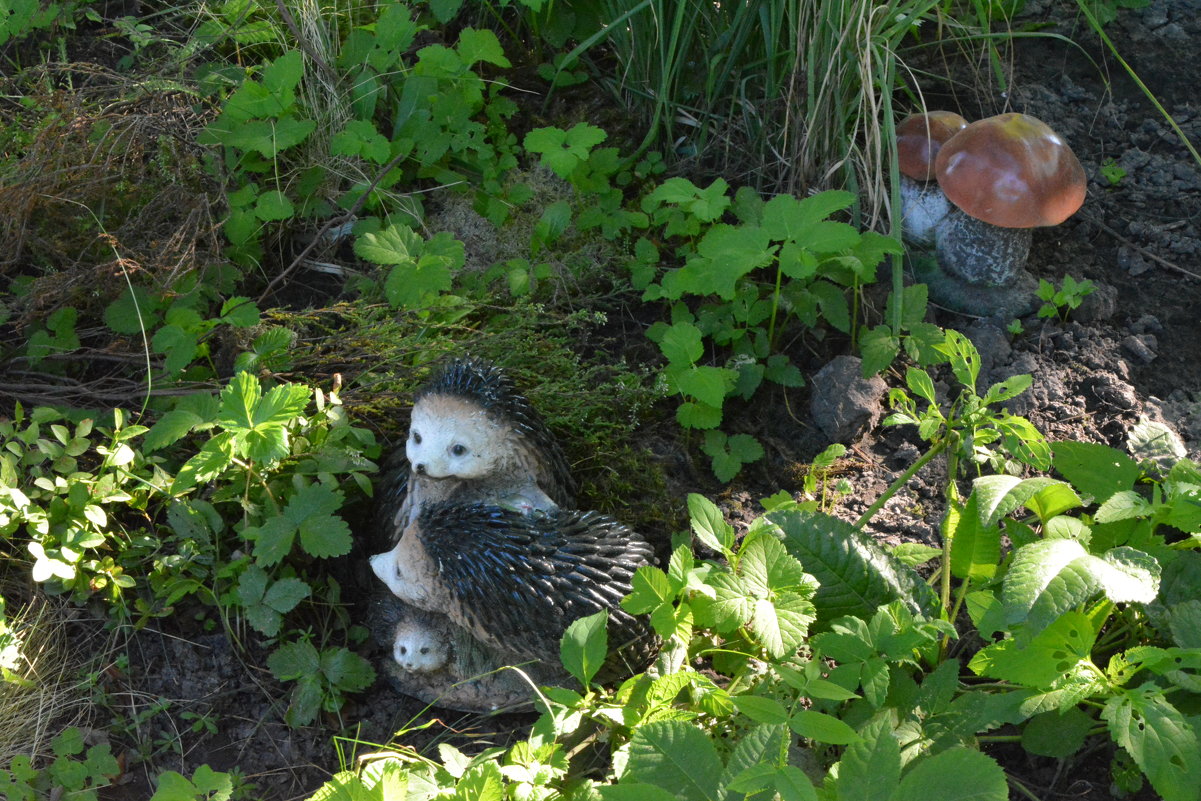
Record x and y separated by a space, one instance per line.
285 594
293 660
870 768
346 670
675 755
681 344
1053 653
877 347
920 384
710 385
480 45
240 312
635 791
649 588
793 785
1160 739
708 524
957 774
1000 495
396 244
281 405
1056 734
132 312
822 728
584 646
761 709
1123 505
482 782
270 137
1095 469
170 428
273 205
725 254
975 545
856 575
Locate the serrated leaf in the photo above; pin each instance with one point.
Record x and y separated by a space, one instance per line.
584 645
957 774
346 670
975 546
1053 653
480 45
396 244
681 344
1160 740
676 755
240 312
870 768
709 385
273 205
1123 505
877 348
293 660
325 536
1001 495
708 524
170 428
856 575
1057 734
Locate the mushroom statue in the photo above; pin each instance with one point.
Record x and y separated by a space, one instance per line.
997 180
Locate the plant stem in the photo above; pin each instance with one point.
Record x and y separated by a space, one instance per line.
900 481
952 441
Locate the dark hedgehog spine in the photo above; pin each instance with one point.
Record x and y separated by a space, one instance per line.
520 580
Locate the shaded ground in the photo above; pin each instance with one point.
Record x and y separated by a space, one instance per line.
1132 351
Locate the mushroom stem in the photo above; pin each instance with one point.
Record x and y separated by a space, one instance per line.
968 265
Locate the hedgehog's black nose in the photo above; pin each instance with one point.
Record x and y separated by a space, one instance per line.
420 468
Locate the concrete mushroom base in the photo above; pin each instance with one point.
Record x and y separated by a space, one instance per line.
961 295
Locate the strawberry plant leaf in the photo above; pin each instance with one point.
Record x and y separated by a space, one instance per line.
708 524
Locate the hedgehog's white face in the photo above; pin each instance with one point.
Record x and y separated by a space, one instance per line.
449 437
419 650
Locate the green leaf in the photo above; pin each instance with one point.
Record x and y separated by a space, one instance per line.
274 205
134 311
877 348
563 151
240 312
822 728
482 45
1050 577
675 755
270 137
957 774
856 575
708 524
870 768
1056 734
1160 740
396 244
709 385
1123 505
760 709
170 428
681 344
1001 495
293 660
584 646
975 545
1052 654
724 255
346 670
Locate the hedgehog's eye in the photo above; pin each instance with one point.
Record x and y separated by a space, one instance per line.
404 650
459 450
416 438
425 649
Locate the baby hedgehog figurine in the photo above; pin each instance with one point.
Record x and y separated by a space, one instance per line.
516 581
473 438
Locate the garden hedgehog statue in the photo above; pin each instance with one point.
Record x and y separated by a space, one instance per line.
473 438
486 567
516 581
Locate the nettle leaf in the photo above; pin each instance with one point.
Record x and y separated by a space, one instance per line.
584 645
1001 495
675 755
957 774
1159 738
856 575
976 546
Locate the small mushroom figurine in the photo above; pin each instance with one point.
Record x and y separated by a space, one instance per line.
1001 177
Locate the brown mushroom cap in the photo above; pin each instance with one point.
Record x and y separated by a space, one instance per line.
1011 170
919 137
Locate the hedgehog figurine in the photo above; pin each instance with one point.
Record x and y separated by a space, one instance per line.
474 439
516 581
